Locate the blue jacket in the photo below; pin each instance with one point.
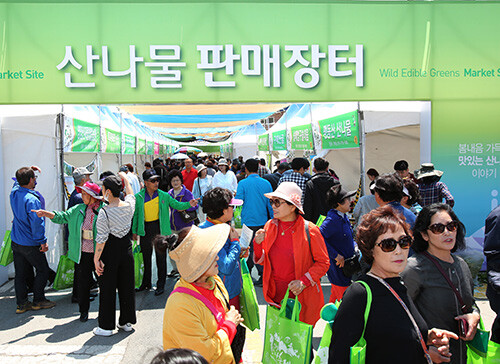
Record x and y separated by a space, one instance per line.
256 209
336 231
407 213
229 264
27 228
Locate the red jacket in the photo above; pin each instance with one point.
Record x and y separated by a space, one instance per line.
188 178
311 298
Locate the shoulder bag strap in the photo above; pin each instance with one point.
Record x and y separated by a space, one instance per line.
368 304
218 315
465 309
422 342
306 225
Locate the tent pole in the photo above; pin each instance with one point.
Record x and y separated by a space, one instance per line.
99 160
60 139
121 139
362 149
312 131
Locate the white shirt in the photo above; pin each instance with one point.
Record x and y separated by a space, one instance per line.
201 186
134 182
227 180
115 220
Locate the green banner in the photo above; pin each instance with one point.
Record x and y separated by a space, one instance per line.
112 141
150 148
263 142
85 137
340 132
128 144
279 140
302 137
141 146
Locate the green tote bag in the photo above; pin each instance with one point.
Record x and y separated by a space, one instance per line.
249 306
6 254
65 273
287 340
138 264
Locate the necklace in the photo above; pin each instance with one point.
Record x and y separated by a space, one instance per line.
283 232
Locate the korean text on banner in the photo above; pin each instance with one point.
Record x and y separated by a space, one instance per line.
340 132
264 142
279 140
302 137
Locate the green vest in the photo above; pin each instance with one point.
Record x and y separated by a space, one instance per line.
74 218
165 201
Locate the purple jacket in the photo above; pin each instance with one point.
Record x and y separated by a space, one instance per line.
176 222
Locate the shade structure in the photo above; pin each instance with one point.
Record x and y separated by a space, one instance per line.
188 150
212 122
179 156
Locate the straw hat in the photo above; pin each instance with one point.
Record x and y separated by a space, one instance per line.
198 250
288 191
200 167
427 170
223 162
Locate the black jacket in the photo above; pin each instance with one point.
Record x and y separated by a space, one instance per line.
273 178
315 196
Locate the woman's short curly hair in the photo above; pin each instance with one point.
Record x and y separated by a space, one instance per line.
215 201
376 223
424 220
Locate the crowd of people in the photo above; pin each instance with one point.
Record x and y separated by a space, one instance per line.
397 244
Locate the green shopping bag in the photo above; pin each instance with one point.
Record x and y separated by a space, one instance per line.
237 217
65 273
287 340
358 351
479 344
6 254
327 314
321 218
249 306
493 353
138 264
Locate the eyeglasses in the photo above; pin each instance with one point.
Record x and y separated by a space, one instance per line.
389 245
276 202
439 228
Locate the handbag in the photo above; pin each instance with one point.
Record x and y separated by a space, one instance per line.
249 306
358 351
188 216
138 264
479 343
6 253
352 265
287 340
65 273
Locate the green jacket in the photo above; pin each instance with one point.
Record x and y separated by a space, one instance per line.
165 202
74 218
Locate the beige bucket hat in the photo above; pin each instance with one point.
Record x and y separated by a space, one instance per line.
288 191
198 250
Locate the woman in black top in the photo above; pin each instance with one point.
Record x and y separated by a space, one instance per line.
391 336
438 234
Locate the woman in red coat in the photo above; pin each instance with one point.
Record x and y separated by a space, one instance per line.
290 259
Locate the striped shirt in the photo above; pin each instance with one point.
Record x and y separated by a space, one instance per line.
88 244
116 220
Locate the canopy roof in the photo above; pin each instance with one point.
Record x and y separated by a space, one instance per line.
213 122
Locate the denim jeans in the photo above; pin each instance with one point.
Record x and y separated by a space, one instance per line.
25 258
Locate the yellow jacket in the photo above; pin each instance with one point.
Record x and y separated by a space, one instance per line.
188 323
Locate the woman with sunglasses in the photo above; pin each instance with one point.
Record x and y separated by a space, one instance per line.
438 234
294 258
395 332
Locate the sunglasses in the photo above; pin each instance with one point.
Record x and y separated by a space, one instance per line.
154 180
439 228
389 245
278 202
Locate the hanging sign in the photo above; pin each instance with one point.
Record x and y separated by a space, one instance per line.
263 142
156 148
302 137
81 136
141 147
340 132
279 140
128 144
150 148
112 141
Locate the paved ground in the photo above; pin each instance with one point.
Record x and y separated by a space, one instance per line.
57 336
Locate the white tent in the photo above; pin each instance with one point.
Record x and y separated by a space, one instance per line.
30 135
390 131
